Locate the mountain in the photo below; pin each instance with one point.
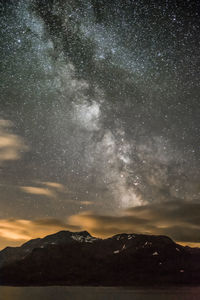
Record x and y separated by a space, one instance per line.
77 258
11 254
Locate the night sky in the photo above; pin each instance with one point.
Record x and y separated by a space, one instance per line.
99 118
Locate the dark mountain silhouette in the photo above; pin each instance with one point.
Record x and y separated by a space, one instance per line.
68 258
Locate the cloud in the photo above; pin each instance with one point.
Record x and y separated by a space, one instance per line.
48 189
11 145
176 219
86 202
58 186
17 231
38 191
179 220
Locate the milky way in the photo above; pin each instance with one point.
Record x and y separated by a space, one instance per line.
99 106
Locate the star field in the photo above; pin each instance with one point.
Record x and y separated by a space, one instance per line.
99 108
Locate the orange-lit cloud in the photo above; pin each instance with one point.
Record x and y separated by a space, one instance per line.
11 145
87 203
17 231
179 220
48 189
58 186
38 191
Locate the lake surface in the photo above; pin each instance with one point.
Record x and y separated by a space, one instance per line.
97 293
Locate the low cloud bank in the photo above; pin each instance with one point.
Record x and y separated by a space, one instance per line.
179 220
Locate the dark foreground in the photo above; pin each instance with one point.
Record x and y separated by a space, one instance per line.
78 259
98 293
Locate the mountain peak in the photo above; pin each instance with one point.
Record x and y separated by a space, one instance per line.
83 233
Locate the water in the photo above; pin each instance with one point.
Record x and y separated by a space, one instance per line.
96 293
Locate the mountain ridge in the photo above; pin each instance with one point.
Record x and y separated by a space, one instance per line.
78 258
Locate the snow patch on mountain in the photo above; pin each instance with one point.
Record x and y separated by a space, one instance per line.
131 236
81 238
116 251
